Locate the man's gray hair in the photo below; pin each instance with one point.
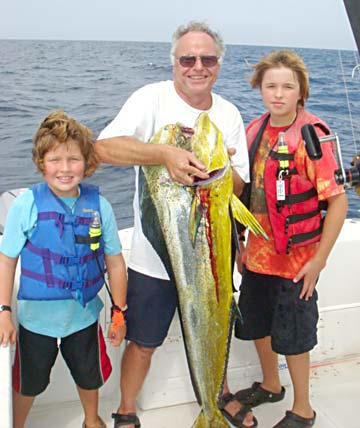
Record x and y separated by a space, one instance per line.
201 27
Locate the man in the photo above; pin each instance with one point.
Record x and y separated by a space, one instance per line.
196 54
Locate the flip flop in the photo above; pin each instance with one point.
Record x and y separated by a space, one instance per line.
237 419
292 420
121 420
257 395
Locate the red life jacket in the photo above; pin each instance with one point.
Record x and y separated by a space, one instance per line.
297 220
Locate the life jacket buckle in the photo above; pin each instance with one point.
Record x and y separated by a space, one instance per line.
286 226
288 245
67 285
279 206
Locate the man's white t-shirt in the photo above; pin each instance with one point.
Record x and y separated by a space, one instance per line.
146 111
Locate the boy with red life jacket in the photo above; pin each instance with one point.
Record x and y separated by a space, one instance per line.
287 195
63 258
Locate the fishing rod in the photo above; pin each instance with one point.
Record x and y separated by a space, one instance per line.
349 177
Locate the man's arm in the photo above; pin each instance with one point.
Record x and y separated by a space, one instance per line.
124 151
182 165
238 183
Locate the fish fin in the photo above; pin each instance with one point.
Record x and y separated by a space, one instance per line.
195 218
234 230
244 216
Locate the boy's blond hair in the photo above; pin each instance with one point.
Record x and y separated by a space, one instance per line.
283 58
58 128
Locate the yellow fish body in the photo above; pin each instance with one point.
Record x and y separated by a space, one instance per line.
190 228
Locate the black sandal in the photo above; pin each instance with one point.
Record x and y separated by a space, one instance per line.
237 419
257 395
121 420
292 420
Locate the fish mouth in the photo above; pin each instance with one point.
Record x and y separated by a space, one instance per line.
214 175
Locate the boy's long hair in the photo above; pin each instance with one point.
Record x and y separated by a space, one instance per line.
283 58
58 128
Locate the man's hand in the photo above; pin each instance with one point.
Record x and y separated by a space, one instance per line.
183 166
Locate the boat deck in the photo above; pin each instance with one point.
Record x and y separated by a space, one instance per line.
335 373
335 395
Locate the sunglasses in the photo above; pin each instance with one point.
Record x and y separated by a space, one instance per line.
188 61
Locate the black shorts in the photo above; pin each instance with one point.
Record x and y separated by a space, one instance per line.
84 353
270 306
152 303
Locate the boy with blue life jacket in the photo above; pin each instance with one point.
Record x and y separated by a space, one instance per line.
66 234
287 195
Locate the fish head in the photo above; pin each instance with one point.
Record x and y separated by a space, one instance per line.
208 146
170 135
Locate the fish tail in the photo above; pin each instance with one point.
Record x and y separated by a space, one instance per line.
213 420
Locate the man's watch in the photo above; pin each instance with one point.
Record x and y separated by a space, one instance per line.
5 308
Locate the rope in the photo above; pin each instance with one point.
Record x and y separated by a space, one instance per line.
348 101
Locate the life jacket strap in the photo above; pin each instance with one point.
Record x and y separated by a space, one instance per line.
60 283
302 237
300 197
57 217
81 239
57 258
61 219
281 156
294 218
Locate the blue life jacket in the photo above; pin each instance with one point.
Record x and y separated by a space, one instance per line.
57 262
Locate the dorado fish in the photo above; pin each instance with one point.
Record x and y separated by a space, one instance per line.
190 228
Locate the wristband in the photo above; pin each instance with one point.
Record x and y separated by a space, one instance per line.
117 316
5 308
118 308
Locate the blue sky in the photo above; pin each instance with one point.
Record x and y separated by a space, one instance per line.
293 23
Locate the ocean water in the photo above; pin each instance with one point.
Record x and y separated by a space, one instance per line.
91 80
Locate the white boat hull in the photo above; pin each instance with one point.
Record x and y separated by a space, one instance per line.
168 382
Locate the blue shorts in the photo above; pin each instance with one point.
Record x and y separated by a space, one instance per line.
270 306
151 307
84 353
